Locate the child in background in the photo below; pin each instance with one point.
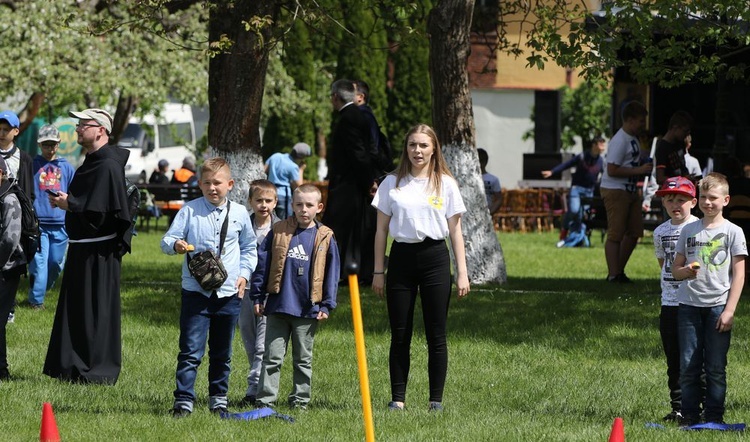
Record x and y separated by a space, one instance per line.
12 259
253 328
298 266
710 258
210 314
678 197
491 183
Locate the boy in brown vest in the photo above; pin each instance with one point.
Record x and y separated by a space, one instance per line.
298 267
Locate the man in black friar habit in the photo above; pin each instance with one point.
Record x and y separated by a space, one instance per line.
86 345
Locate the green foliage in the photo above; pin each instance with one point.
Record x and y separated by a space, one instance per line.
660 41
363 52
78 55
584 113
522 360
410 97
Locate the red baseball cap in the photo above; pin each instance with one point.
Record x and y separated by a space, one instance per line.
677 185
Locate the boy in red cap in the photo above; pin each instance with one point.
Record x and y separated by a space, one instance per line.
678 198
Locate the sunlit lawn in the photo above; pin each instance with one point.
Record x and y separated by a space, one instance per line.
555 354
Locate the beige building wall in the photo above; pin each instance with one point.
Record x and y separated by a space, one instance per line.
513 73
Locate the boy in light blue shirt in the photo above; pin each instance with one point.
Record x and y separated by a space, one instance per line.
198 227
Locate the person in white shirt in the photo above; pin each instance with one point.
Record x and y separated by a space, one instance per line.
419 204
619 189
692 163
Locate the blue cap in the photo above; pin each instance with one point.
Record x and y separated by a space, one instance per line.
10 117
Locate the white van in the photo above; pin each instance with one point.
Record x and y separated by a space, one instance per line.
169 137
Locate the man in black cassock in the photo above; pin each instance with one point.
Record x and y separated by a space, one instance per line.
86 345
351 178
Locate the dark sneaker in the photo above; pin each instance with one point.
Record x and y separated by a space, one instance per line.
247 401
37 306
435 407
674 416
179 413
393 406
218 410
623 278
688 421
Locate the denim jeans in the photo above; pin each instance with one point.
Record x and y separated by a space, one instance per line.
200 318
253 333
572 218
48 261
702 347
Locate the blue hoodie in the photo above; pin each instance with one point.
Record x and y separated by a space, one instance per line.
53 175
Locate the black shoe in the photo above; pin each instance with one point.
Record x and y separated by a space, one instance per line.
623 278
674 416
688 421
247 401
179 413
219 410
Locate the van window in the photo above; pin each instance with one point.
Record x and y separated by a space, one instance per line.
175 134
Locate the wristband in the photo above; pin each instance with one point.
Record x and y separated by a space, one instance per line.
378 273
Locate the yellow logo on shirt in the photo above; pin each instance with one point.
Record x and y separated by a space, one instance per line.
435 201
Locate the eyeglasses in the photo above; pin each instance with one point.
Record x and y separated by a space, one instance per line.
80 125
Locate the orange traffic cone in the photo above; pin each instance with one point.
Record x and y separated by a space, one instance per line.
618 431
48 432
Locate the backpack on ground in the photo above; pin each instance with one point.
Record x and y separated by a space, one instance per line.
29 222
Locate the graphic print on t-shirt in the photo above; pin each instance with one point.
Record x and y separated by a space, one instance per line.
49 178
436 202
714 253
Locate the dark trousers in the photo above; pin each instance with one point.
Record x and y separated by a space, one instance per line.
8 288
425 268
671 344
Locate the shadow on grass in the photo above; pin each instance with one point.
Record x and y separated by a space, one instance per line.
571 315
567 314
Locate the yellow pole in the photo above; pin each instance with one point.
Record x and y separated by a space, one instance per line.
359 339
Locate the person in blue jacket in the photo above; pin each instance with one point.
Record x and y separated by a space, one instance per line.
51 174
589 166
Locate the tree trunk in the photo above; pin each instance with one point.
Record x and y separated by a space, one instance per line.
236 79
448 27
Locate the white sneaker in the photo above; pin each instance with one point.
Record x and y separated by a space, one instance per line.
11 318
560 243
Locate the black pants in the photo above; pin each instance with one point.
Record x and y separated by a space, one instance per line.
8 288
671 345
425 268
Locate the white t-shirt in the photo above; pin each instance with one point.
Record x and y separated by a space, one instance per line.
415 213
624 151
665 241
491 186
713 249
693 165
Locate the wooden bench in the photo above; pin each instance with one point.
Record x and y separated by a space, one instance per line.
167 199
595 215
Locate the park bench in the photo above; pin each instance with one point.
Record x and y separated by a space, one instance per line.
159 200
595 215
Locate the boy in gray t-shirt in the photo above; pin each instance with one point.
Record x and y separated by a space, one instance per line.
710 258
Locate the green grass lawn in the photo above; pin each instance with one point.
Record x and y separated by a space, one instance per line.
555 354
